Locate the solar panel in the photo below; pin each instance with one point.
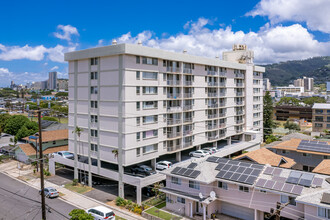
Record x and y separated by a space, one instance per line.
269 170
195 174
233 168
277 172
221 174
256 172
318 146
261 182
297 190
242 178
228 175
188 172
250 180
240 170
233 162
192 165
235 176
224 160
212 159
317 181
220 166
278 186
226 167
306 179
294 177
269 184
175 170
243 164
287 188
181 171
279 178
248 171
257 166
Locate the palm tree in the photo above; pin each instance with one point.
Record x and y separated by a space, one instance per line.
115 152
78 132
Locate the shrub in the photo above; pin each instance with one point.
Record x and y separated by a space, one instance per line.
46 173
120 201
137 210
74 182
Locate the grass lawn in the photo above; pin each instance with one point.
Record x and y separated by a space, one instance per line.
155 211
120 218
79 188
62 120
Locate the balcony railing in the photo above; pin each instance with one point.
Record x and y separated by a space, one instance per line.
173 96
212 83
187 132
239 84
210 127
173 121
174 134
187 120
211 138
239 103
187 107
222 125
173 69
239 121
173 82
239 93
222 104
222 84
212 72
187 82
187 95
239 75
174 109
239 130
187 70
173 147
212 116
187 144
222 73
222 115
239 112
221 135
211 94
212 105
222 93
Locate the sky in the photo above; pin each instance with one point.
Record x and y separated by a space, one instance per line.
36 34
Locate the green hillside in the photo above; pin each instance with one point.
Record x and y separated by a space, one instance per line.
284 73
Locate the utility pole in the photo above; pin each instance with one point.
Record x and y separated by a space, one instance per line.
41 159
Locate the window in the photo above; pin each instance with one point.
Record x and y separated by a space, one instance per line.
94 119
244 189
323 212
138 136
94 75
94 133
289 199
138 152
194 184
285 152
138 121
54 142
94 61
94 147
150 61
150 104
222 185
150 119
137 59
175 180
93 104
137 74
138 90
149 90
306 155
326 157
318 125
150 75
181 200
263 191
94 89
150 148
138 106
150 134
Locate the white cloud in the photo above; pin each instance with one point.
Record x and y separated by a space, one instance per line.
314 12
54 68
65 32
271 44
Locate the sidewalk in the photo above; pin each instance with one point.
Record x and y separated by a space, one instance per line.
79 200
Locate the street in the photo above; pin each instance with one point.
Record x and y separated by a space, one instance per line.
20 201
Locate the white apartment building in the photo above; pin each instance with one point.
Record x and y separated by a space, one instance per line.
145 103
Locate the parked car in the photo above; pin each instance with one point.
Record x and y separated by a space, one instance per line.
198 153
84 180
209 150
142 169
163 165
101 212
65 154
50 192
147 191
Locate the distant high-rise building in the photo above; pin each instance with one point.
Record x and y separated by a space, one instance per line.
267 84
62 84
308 84
52 81
298 83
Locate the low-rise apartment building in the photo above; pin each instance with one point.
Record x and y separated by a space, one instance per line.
137 105
245 190
321 117
285 112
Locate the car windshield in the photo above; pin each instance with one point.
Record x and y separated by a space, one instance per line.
147 168
52 190
67 153
109 214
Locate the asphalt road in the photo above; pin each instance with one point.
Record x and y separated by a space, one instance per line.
20 201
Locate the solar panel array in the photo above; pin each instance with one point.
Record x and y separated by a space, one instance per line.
303 179
318 146
273 171
237 171
187 172
192 165
280 186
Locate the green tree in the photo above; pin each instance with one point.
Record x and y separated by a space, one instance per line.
311 100
29 128
291 126
268 115
48 118
289 101
3 120
14 123
61 94
79 214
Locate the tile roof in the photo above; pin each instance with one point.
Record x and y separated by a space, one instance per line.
52 135
323 167
29 150
265 156
321 106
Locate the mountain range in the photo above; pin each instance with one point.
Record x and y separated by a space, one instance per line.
284 73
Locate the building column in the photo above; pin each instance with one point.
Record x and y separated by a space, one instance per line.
198 147
153 164
229 141
90 179
256 215
243 137
178 156
51 166
191 209
138 195
204 212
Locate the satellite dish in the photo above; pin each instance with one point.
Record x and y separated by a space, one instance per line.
200 195
212 195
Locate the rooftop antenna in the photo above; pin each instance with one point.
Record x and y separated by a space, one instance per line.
114 42
140 43
184 51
